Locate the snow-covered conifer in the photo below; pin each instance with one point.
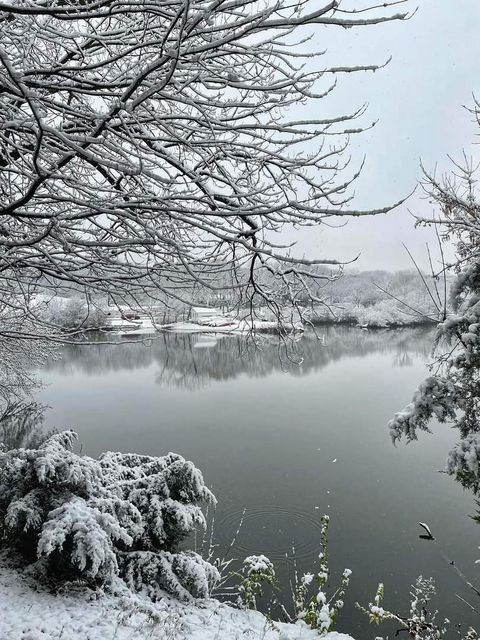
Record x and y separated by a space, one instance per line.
121 515
452 392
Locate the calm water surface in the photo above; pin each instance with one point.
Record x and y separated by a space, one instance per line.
287 443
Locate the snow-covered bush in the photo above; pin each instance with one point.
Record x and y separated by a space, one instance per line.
382 313
377 299
312 605
121 515
390 312
256 572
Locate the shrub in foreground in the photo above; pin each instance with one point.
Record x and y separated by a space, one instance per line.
312 604
122 515
421 623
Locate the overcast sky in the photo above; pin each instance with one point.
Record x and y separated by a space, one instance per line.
418 100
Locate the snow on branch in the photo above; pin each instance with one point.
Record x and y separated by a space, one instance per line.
145 150
452 392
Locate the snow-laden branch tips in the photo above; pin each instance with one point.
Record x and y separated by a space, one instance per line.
452 393
145 150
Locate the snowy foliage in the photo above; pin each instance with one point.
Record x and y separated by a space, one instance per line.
30 613
379 299
148 149
21 423
20 353
420 623
436 396
463 461
74 313
452 392
383 313
312 604
121 515
256 572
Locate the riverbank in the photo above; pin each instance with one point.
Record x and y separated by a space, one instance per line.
385 314
71 314
30 612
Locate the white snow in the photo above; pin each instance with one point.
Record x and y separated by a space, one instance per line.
216 325
223 325
465 456
124 327
256 564
32 613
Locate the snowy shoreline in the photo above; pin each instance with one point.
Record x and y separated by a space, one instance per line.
30 612
260 327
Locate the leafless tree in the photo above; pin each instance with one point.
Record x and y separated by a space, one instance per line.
148 150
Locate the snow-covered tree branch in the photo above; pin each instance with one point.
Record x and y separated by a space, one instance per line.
452 392
147 149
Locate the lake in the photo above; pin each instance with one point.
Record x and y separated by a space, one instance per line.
288 441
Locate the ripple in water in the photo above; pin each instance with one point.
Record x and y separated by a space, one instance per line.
272 530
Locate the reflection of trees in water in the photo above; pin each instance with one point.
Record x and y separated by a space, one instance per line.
192 360
21 424
402 359
20 417
17 359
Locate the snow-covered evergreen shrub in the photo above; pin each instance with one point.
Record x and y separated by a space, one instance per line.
121 515
436 397
452 393
463 462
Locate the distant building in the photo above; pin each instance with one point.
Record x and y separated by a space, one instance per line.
203 314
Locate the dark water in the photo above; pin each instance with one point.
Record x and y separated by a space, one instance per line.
289 442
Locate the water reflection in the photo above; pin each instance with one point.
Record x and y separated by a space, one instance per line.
287 443
21 424
193 361
21 416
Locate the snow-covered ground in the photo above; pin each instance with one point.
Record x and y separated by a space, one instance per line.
232 326
124 327
218 324
29 612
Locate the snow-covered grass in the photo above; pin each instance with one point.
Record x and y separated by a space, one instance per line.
31 612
